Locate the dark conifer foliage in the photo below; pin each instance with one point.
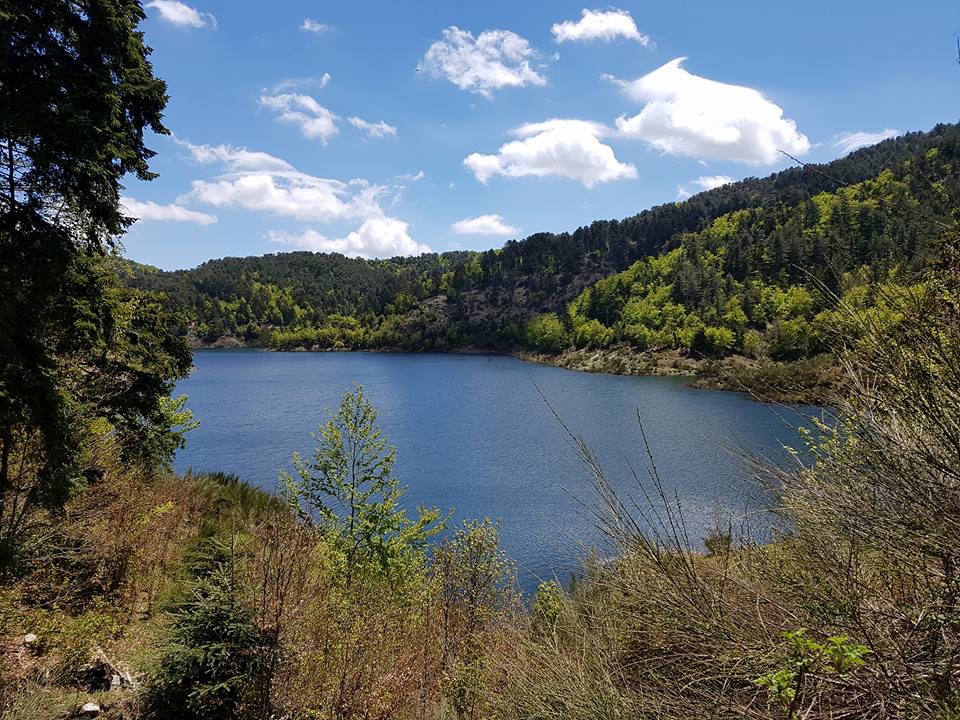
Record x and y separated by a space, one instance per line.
77 94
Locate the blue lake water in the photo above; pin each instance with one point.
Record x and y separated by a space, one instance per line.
474 435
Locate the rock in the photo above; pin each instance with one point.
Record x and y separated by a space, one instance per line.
101 673
89 710
122 680
31 644
226 341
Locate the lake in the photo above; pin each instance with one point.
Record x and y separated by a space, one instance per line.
474 435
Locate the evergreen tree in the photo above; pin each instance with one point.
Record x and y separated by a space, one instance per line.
77 94
210 669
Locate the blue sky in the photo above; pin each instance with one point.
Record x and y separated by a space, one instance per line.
385 128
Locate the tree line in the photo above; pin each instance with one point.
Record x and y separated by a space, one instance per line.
747 268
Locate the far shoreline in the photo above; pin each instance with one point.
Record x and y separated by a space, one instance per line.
808 382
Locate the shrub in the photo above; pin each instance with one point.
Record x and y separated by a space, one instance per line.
546 333
210 669
592 333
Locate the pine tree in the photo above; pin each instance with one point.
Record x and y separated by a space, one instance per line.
211 667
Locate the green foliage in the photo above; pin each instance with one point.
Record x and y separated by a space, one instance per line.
211 666
165 434
547 333
592 333
476 573
230 501
752 343
806 657
791 339
547 607
78 94
348 486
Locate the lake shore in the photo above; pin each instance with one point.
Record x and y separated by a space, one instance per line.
810 381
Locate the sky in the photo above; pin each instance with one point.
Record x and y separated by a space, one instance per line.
377 129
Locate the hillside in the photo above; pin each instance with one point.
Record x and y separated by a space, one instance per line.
738 269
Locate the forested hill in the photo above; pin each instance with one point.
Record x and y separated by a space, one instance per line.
727 270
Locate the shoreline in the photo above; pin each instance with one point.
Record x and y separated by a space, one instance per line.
811 381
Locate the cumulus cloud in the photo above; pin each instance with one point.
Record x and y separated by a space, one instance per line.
484 225
704 182
148 210
376 130
181 14
380 237
690 115
494 59
560 148
311 25
599 25
295 195
314 120
260 182
849 141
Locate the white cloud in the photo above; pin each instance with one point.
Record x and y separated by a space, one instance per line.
849 141
260 182
484 225
560 148
315 121
294 195
319 82
690 115
410 177
181 14
380 237
377 130
599 25
236 159
148 210
494 59
311 25
704 182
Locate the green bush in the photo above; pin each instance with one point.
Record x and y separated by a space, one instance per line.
792 339
592 333
547 333
211 666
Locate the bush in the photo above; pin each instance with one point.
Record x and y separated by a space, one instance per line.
592 333
792 339
211 667
546 333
